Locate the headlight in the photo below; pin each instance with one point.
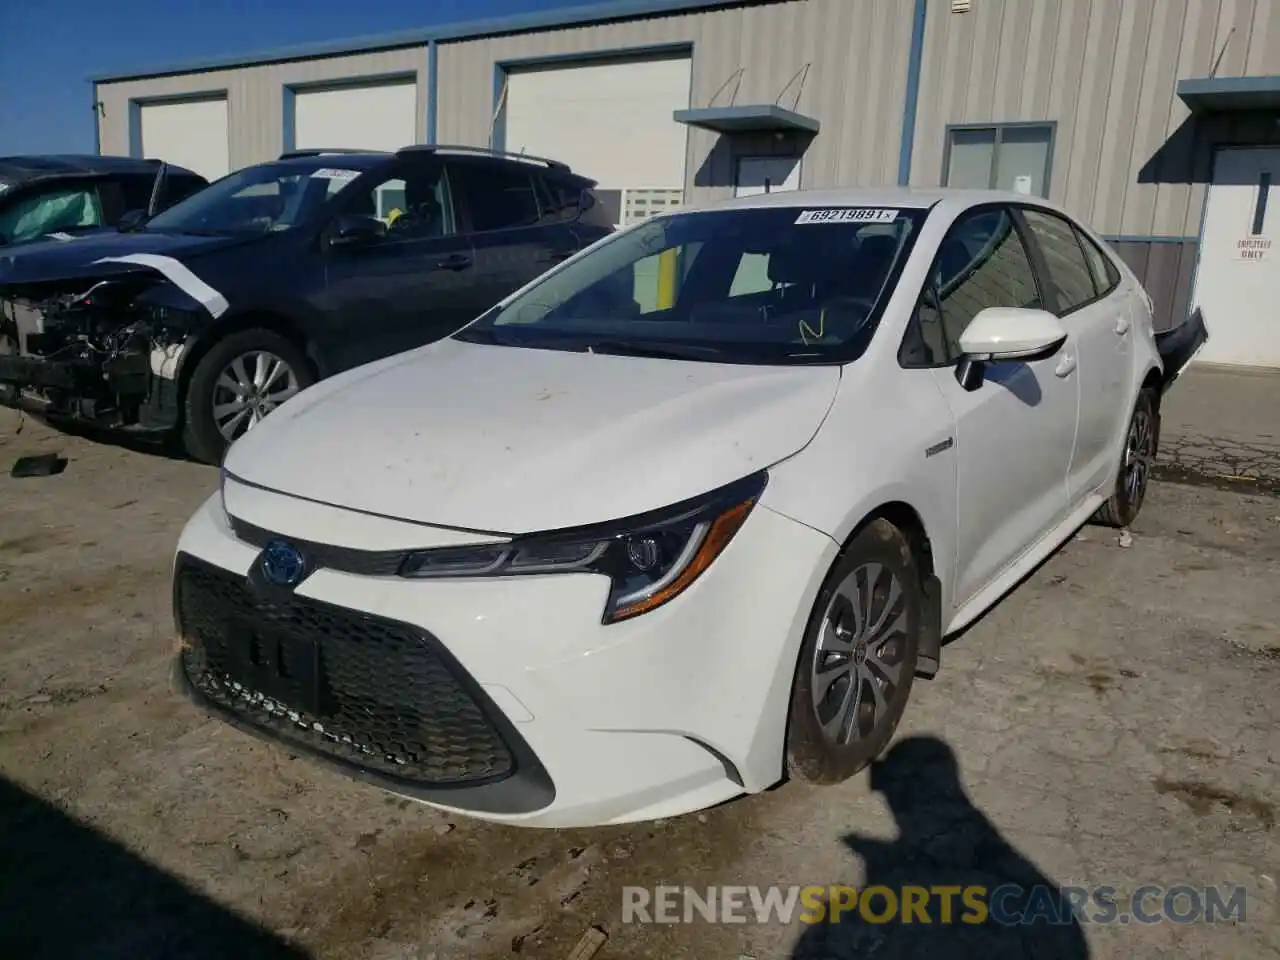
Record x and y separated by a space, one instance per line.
649 559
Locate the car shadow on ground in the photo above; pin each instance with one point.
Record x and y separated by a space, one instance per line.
68 891
945 846
165 445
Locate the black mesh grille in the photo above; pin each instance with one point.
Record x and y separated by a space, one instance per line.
373 692
365 563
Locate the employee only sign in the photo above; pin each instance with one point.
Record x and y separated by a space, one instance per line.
1253 248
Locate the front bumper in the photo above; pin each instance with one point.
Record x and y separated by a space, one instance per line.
121 391
518 705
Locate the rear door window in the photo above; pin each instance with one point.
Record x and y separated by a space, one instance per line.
1105 275
1068 268
496 197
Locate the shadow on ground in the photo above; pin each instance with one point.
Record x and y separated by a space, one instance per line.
68 891
944 842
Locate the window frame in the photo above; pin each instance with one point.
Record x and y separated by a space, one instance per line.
462 202
1081 237
905 360
998 129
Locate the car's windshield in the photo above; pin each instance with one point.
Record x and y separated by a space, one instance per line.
756 285
259 199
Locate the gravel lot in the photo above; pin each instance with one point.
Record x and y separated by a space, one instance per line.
1114 721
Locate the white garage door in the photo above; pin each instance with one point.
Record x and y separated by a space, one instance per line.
608 121
382 117
191 134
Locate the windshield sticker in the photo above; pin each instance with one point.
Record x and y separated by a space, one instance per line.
182 278
848 215
333 173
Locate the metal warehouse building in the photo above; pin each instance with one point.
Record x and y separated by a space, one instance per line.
1157 121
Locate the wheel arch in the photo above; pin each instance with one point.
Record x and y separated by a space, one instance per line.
1153 380
277 323
906 518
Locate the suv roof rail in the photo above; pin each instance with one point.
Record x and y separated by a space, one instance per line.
485 152
323 151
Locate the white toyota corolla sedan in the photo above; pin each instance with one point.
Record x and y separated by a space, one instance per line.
683 517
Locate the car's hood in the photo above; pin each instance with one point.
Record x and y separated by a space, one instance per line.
513 440
80 256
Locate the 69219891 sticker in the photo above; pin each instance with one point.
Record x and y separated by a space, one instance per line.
848 215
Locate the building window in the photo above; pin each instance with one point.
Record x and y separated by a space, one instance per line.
1013 156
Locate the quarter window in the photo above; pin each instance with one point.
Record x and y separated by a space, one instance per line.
981 263
1068 268
499 198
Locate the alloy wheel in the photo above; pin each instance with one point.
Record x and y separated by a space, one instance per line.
248 388
857 667
1139 452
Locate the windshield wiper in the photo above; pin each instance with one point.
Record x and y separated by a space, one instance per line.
661 350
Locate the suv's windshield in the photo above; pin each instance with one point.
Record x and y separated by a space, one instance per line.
260 199
760 285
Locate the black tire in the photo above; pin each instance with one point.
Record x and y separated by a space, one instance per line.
813 755
1139 453
201 436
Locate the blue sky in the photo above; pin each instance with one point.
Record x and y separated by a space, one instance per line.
48 48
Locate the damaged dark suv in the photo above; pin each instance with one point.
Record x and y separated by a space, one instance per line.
205 318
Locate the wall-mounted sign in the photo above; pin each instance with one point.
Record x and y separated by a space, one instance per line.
1253 248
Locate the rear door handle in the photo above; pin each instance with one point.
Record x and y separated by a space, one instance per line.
455 261
1122 324
1065 366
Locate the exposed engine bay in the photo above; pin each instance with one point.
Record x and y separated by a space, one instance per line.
104 351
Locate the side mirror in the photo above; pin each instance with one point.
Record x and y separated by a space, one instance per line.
1006 333
131 220
352 230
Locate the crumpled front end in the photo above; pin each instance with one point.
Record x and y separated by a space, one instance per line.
104 351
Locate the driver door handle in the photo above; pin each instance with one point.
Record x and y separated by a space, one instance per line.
455 261
1065 366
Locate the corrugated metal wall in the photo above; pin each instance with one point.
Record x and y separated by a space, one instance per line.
1128 158
856 81
1106 71
255 97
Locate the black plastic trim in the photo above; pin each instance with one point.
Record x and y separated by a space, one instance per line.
528 789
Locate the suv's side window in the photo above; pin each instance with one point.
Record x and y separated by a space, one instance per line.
981 263
498 197
414 203
1068 269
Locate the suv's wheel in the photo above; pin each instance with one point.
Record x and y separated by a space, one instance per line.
240 380
858 658
1135 464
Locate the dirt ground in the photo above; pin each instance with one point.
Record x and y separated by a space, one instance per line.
1113 722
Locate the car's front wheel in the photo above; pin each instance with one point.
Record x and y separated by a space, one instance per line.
240 380
858 658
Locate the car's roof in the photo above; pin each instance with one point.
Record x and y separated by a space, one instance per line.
909 198
23 169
